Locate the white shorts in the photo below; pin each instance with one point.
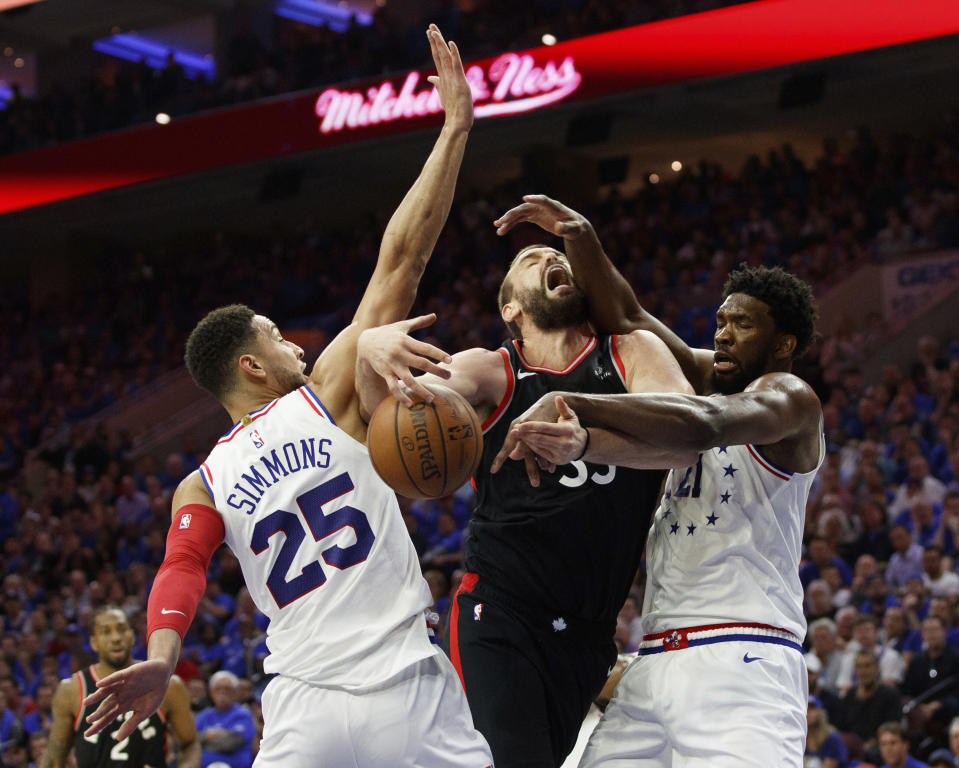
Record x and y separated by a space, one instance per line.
732 704
417 719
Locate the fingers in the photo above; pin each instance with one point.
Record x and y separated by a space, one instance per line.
98 695
565 412
508 445
532 469
455 55
129 726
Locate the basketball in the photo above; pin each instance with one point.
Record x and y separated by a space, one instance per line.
429 449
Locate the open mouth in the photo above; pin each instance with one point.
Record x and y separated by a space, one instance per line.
557 278
723 362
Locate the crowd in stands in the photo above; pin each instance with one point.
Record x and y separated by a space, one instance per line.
83 517
300 56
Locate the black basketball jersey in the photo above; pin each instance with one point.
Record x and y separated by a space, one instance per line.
571 546
145 748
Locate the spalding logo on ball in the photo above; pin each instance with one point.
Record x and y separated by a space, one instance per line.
429 449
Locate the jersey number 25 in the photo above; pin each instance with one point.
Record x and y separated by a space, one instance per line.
321 526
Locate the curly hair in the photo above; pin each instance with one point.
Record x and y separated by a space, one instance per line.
790 300
215 344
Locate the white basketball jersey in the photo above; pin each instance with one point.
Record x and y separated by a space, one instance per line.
725 544
322 545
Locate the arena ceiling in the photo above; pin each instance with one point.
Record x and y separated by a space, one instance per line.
905 88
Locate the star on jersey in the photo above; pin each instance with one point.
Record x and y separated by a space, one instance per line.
711 520
674 527
730 471
690 529
668 494
722 449
666 512
724 498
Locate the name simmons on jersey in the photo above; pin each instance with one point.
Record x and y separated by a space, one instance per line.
288 459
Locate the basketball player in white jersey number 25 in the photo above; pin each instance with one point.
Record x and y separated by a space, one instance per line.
720 680
319 536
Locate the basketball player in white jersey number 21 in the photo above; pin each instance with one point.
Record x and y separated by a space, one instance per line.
720 680
319 536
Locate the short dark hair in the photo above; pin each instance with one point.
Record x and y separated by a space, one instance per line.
108 608
215 344
790 300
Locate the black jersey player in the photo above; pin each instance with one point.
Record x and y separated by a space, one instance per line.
548 566
112 639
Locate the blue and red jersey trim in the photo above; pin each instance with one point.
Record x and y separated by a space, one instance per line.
315 403
253 415
766 464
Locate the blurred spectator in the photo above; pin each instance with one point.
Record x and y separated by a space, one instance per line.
906 559
870 703
933 674
823 741
226 730
866 639
895 748
938 582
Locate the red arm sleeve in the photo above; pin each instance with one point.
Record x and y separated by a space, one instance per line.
196 532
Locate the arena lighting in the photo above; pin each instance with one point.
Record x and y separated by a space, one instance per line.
137 48
549 39
318 13
742 38
162 118
654 178
676 166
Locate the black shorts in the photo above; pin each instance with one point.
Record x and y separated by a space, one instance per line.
529 677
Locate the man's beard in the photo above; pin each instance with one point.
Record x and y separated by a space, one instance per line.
737 381
290 380
550 314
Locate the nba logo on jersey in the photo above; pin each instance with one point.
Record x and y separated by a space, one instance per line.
477 612
258 441
185 521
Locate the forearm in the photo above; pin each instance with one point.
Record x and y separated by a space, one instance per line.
613 306
414 228
164 645
677 423
607 446
191 755
371 388
225 743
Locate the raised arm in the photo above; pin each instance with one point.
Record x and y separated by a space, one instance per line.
613 306
408 241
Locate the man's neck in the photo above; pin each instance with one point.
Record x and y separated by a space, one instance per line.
554 349
243 404
865 691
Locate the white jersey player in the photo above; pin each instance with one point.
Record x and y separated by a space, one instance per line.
720 681
321 543
319 536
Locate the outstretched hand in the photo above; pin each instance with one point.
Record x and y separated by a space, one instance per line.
138 689
546 213
545 436
450 80
390 352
